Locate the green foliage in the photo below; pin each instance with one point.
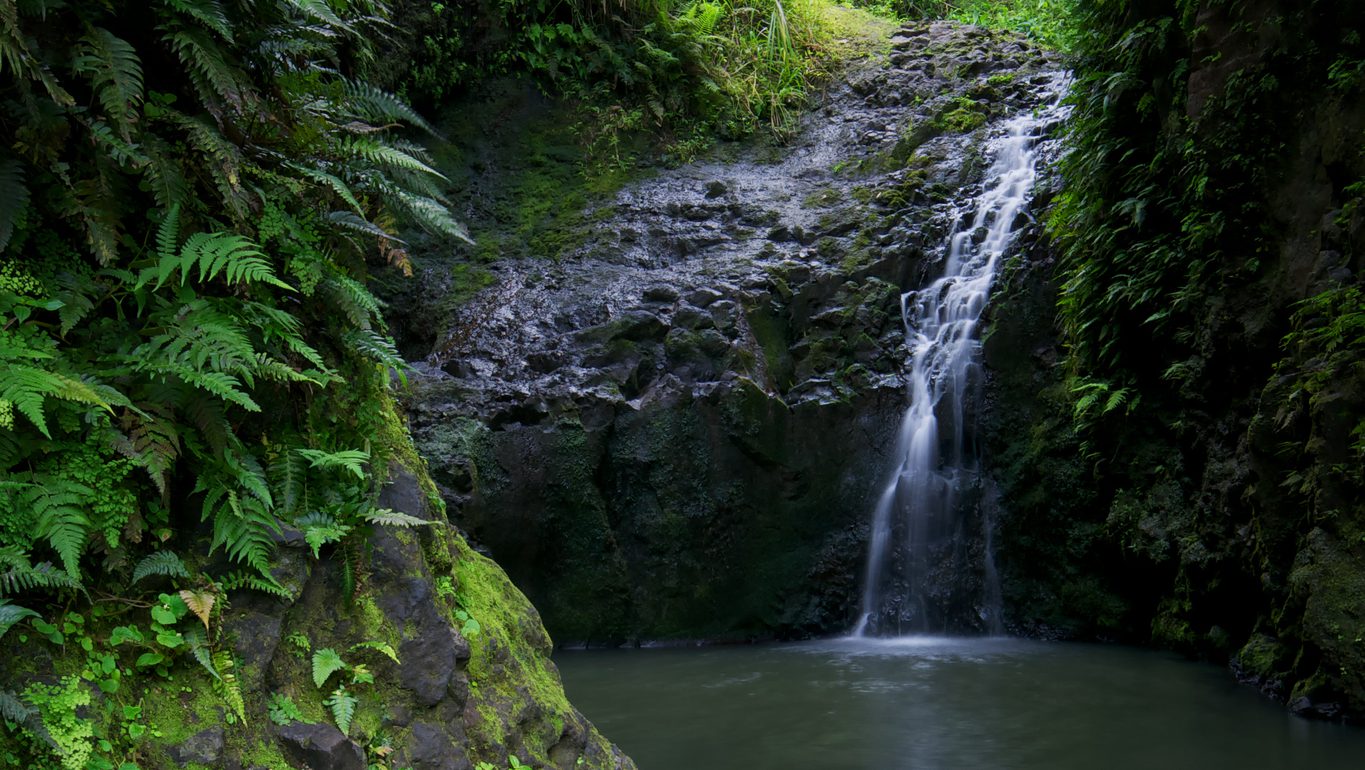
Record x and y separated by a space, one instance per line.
283 710
192 196
325 663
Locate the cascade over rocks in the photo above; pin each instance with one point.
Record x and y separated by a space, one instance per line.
678 429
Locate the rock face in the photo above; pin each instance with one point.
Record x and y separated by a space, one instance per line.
677 430
1223 516
472 681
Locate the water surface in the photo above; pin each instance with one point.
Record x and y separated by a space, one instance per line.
940 704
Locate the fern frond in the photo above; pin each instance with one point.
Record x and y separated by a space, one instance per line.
390 518
378 106
427 212
378 348
384 155
354 300
319 11
163 563
326 662
361 225
61 521
352 460
115 71
220 384
27 387
238 580
19 575
10 614
337 185
207 12
288 481
168 235
14 710
319 529
227 686
200 603
208 67
242 527
13 198
382 647
198 643
154 444
342 704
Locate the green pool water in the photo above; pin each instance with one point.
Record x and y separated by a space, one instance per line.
940 704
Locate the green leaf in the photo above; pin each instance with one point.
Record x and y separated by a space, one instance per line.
326 662
127 634
147 659
11 614
170 639
342 704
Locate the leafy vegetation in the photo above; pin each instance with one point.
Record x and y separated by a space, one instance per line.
194 193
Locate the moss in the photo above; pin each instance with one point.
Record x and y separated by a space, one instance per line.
963 114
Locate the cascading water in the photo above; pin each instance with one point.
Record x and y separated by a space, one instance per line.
920 544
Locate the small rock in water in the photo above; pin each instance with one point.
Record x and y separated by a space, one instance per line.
716 188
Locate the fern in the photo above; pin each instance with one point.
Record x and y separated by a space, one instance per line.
13 198
116 73
61 520
227 686
378 348
13 709
389 518
201 604
235 581
320 529
10 614
163 563
198 643
342 704
233 257
209 70
19 576
352 460
381 647
326 662
378 106
207 12
27 387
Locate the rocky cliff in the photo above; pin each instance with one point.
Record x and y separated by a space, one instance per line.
677 429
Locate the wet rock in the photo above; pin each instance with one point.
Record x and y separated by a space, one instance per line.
702 296
660 293
429 748
203 748
688 317
320 746
715 189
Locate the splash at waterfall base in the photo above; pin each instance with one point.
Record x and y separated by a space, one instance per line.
678 431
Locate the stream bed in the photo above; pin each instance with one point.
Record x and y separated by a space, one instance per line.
931 703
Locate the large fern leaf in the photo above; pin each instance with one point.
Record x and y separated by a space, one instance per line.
115 71
352 460
326 662
27 387
61 519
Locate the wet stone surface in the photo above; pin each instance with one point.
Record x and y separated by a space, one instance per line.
718 359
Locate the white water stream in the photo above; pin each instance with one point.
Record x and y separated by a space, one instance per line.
916 519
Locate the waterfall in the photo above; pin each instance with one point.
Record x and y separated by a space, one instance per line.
920 548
